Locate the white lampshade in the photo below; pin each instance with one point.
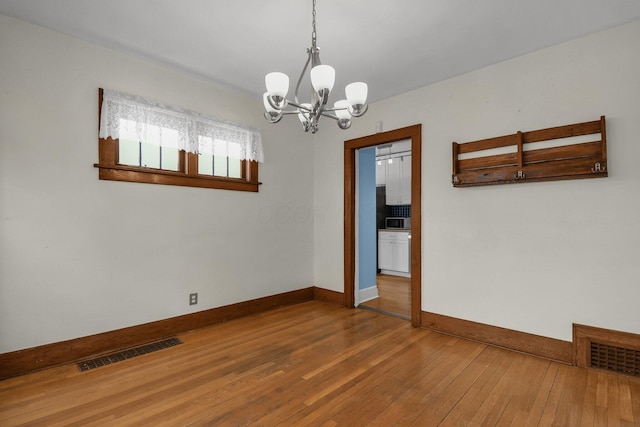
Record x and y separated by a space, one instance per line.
342 109
277 84
301 116
357 93
323 77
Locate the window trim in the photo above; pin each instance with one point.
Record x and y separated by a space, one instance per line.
186 176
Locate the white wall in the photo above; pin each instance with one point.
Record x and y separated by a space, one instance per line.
532 257
79 256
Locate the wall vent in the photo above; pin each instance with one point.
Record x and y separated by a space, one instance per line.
127 354
614 351
618 359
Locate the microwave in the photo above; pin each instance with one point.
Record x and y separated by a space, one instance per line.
397 223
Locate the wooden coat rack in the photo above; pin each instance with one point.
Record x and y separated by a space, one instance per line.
528 164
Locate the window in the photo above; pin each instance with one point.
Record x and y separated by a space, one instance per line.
219 158
158 151
143 141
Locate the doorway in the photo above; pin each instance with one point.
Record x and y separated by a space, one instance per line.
413 133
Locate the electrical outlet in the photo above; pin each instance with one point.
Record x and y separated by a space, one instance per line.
193 299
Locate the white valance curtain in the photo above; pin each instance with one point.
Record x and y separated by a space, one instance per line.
135 117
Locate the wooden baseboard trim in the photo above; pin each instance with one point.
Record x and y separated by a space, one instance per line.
327 295
535 345
584 335
33 359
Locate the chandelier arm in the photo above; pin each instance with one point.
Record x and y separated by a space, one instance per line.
321 104
336 109
300 106
304 70
332 116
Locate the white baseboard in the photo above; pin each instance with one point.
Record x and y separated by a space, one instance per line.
367 294
395 273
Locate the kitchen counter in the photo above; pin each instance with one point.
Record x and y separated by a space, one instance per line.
402 230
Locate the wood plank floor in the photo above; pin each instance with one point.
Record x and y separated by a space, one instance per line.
319 364
394 295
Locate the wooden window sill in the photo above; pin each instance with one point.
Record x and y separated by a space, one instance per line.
166 177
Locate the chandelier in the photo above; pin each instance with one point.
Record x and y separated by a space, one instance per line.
322 80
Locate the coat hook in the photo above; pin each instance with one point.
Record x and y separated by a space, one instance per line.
598 168
519 175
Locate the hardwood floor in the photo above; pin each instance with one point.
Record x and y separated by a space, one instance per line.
321 364
394 295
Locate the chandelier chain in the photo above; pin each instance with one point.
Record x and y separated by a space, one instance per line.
313 32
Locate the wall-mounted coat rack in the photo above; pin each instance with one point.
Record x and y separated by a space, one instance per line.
525 162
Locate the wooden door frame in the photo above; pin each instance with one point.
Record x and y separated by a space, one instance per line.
414 133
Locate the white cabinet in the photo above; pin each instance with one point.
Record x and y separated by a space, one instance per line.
394 175
394 252
405 181
385 252
398 183
381 172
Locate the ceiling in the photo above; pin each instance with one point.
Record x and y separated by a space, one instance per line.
395 46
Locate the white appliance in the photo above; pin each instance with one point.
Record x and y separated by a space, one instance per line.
394 222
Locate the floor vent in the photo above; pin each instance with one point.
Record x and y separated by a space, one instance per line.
108 359
618 359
